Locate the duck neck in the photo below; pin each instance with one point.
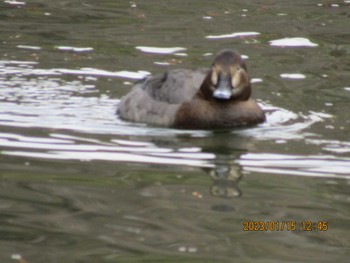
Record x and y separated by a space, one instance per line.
205 92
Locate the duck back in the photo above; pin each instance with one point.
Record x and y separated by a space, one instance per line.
156 99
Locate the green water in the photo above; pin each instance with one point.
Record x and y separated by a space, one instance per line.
77 184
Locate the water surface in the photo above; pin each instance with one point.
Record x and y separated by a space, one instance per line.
78 184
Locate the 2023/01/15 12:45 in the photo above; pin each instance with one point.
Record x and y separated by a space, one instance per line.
314 226
285 226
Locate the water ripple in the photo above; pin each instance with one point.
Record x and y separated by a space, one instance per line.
328 166
87 150
234 35
293 42
54 103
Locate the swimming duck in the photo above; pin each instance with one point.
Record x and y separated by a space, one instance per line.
218 97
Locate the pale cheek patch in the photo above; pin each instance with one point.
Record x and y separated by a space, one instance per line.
214 78
239 79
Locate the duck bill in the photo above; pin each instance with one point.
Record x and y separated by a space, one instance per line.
223 91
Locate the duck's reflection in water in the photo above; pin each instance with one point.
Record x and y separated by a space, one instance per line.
225 178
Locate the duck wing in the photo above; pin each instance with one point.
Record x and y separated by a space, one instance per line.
156 99
174 86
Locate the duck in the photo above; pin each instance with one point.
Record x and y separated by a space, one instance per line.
217 97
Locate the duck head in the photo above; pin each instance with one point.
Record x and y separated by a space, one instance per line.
227 78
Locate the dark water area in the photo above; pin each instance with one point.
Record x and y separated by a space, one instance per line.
77 184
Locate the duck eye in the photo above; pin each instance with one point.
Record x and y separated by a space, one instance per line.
214 78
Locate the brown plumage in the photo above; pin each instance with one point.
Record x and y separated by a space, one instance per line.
218 97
